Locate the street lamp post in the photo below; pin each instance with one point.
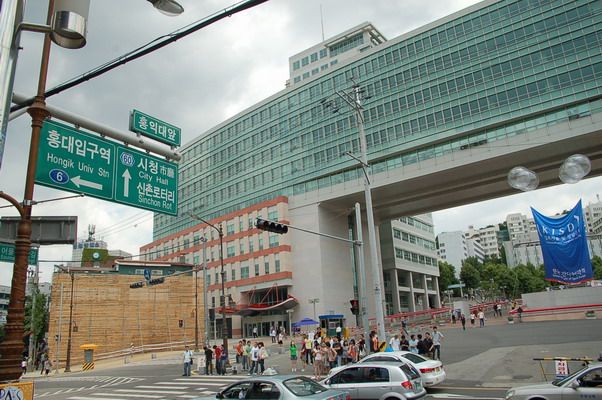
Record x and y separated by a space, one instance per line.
196 308
69 32
68 357
354 100
220 233
205 305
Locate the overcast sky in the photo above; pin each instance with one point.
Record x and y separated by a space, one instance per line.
200 81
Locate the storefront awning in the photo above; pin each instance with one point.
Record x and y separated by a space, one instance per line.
257 309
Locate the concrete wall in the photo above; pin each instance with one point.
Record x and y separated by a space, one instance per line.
565 297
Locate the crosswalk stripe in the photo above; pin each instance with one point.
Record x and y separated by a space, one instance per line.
146 396
210 379
161 387
187 396
180 383
149 391
94 398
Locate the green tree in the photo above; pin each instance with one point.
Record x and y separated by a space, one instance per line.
597 267
40 326
469 274
447 275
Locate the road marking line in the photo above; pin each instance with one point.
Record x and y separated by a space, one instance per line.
146 396
95 398
161 387
149 391
181 383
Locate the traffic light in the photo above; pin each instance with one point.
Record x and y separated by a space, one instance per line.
136 285
355 306
271 226
156 281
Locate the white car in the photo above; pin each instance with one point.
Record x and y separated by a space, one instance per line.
583 384
432 371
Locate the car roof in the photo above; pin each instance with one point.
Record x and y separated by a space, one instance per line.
367 364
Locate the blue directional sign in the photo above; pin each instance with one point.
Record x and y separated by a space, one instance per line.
147 274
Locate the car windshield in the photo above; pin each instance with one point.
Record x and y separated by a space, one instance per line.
415 358
562 381
301 386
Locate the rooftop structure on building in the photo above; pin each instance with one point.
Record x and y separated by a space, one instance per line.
324 56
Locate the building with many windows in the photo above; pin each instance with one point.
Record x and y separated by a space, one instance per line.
480 79
410 267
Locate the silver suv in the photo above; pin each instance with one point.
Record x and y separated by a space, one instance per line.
382 381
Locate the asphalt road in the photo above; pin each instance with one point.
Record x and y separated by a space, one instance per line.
481 364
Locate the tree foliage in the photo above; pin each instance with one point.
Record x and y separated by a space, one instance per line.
597 267
447 275
40 325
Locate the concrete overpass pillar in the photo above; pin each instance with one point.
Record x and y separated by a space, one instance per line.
427 304
395 289
412 299
436 287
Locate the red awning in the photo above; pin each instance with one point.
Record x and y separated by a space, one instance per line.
255 309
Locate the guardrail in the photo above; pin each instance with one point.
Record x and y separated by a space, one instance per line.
558 310
149 348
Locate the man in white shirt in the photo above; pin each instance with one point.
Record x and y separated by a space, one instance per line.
481 318
394 343
187 361
437 336
254 358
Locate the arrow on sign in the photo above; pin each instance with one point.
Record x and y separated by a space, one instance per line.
77 181
126 182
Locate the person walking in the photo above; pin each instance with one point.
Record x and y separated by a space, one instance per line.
421 346
47 366
223 359
262 356
208 360
254 359
255 332
187 356
481 318
292 349
273 334
428 345
472 318
246 351
463 320
437 337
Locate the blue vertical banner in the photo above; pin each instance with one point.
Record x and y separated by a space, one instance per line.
564 246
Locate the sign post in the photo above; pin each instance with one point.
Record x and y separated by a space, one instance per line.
78 162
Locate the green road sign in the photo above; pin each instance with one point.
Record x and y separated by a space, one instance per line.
7 254
154 128
146 181
79 162
75 161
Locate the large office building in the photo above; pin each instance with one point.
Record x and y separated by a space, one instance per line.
444 99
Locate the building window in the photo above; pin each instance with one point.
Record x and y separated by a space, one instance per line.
296 65
241 225
277 263
216 277
251 245
233 274
323 53
304 61
244 272
208 279
266 267
273 241
260 243
230 229
242 248
256 269
314 57
230 252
